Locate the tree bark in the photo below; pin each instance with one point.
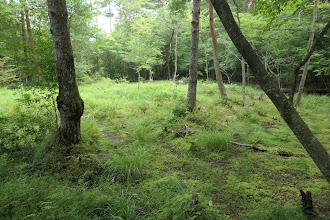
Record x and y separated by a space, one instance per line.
192 87
312 145
70 105
24 74
243 82
253 4
310 43
29 30
242 61
217 69
206 63
169 55
176 51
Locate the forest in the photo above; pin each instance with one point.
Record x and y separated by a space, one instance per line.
164 109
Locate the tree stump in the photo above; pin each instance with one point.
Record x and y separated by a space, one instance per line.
307 204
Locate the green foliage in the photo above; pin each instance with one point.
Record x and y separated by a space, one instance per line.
178 6
143 46
189 206
275 211
179 111
141 133
7 71
214 141
48 197
127 166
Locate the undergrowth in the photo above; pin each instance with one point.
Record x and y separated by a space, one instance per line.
143 156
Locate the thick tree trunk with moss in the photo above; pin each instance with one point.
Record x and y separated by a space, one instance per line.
217 69
69 103
192 87
268 84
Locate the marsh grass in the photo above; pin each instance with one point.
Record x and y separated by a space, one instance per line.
214 140
149 172
127 166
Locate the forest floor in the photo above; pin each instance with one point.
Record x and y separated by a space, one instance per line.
143 156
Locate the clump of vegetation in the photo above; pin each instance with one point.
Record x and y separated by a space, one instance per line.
127 166
179 111
214 140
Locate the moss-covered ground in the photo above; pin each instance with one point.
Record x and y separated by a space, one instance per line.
143 156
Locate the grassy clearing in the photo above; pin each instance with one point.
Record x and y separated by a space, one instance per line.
144 157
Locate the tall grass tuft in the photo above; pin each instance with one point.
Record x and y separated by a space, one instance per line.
127 167
141 132
214 141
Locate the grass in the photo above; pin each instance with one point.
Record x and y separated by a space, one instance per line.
143 156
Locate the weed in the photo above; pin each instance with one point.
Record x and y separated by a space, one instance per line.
213 140
179 111
274 211
141 133
127 167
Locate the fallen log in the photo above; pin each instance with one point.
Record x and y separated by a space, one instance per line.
253 147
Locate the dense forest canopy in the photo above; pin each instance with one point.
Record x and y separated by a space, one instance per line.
152 38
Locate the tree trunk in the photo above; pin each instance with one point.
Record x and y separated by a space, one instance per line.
24 72
242 60
217 69
169 55
192 87
110 17
70 105
243 82
28 25
120 21
312 145
310 43
176 51
253 4
206 63
125 21
244 6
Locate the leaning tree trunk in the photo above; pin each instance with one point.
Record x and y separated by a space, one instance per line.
192 87
268 84
215 54
310 43
69 103
242 61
